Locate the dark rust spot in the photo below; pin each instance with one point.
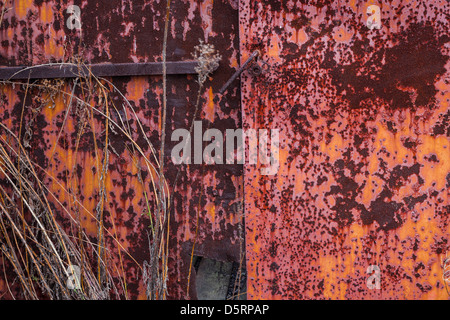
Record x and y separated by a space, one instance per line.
417 51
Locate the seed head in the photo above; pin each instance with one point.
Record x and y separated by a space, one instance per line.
208 60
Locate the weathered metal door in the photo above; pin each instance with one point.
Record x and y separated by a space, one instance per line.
96 171
359 206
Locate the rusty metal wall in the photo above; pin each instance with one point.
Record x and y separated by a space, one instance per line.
35 32
364 172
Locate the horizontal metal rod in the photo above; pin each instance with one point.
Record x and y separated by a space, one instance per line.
56 70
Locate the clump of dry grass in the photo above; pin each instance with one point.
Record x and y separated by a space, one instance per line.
37 244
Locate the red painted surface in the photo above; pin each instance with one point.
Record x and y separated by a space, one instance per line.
364 149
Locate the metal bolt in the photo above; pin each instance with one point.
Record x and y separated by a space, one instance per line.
256 69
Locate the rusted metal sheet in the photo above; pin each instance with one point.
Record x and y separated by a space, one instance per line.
362 108
362 114
207 199
98 70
